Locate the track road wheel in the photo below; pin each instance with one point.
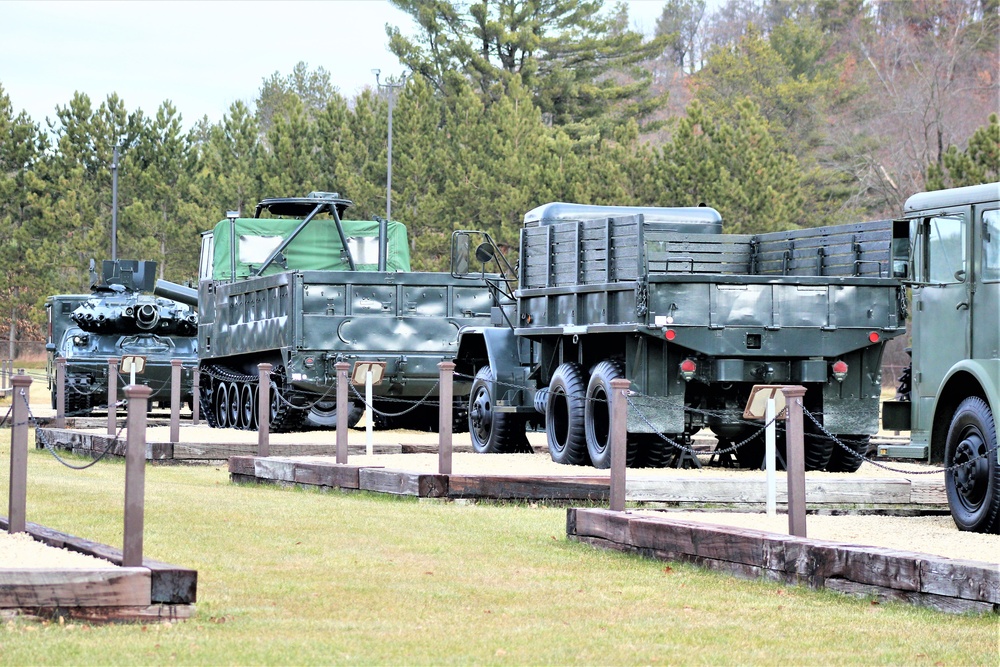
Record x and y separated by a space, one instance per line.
564 416
234 406
973 489
492 432
246 406
221 406
842 460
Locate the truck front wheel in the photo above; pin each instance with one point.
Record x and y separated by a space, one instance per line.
973 488
564 415
492 432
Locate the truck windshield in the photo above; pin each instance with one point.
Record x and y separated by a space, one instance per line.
991 245
946 249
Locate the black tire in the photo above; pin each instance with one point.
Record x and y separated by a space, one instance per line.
246 407
597 412
565 411
234 406
221 405
750 455
324 414
842 460
973 490
652 451
492 432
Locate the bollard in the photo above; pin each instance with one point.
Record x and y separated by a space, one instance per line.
795 460
60 392
264 409
18 453
135 473
175 400
619 444
195 396
3 374
342 410
445 416
112 395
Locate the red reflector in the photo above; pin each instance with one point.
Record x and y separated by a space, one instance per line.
839 367
873 336
688 366
670 334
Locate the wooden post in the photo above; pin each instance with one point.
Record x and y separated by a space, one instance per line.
3 373
342 410
175 400
135 473
264 409
445 416
112 395
18 453
196 396
60 392
795 460
618 443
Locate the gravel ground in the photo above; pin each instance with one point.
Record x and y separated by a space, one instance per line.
21 551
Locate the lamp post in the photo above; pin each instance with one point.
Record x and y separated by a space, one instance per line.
390 87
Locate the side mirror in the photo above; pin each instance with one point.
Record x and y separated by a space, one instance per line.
485 252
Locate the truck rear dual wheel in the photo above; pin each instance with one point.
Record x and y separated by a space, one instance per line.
597 424
973 487
565 411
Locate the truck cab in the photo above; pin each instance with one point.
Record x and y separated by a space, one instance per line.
947 250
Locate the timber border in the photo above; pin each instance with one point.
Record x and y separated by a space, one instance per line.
155 591
887 495
944 584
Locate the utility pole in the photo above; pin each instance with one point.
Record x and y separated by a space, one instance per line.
390 88
114 204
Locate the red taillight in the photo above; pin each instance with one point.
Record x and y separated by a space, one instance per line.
688 368
873 337
839 370
670 334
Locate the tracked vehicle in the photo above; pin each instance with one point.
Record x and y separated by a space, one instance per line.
119 317
300 288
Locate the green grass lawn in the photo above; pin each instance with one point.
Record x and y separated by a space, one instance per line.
300 577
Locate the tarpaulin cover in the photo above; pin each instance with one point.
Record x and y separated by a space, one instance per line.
316 248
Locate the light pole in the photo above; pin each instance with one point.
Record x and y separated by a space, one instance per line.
390 88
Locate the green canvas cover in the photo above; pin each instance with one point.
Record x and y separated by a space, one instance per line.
316 248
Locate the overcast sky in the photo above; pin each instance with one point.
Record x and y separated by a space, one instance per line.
202 56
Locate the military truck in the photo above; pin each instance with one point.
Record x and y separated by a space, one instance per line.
118 318
299 287
694 318
947 249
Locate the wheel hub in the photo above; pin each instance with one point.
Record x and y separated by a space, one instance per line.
482 415
968 477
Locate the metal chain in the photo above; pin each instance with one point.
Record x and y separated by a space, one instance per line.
40 433
865 459
398 400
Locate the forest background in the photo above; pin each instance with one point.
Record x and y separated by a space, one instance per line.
778 113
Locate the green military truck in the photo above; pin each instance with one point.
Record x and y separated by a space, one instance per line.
947 249
300 288
694 318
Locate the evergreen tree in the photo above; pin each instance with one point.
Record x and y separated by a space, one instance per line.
978 163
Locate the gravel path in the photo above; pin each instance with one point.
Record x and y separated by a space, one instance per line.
21 551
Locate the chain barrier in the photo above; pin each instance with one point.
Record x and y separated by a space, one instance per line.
413 407
865 459
40 434
728 414
7 416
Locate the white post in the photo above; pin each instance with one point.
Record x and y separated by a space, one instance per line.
131 374
369 441
769 456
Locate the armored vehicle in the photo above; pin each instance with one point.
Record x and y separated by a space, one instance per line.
119 317
947 249
694 318
300 288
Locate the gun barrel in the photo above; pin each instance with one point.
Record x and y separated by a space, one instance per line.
178 293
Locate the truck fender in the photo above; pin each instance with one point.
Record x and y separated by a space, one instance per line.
961 381
498 345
